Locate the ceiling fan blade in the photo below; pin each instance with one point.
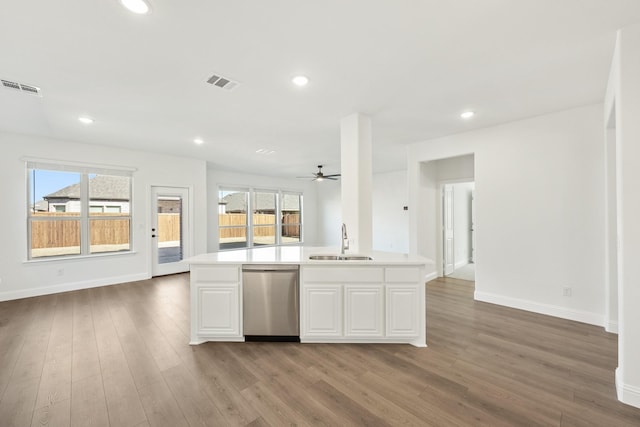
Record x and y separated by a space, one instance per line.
332 175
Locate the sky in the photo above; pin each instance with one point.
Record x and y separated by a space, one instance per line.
43 182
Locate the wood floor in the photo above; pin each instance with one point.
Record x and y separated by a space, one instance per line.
119 356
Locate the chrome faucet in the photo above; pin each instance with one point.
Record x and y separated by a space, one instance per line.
345 239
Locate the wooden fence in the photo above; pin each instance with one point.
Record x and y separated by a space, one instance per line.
65 233
239 221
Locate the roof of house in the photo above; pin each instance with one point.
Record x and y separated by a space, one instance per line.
237 202
102 187
41 206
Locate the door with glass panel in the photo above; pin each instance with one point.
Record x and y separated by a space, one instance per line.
170 230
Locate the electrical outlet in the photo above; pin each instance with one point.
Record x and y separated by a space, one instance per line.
566 291
61 272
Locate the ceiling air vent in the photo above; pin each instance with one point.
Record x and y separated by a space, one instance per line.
222 82
32 90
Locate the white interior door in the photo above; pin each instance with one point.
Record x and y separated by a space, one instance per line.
448 257
170 230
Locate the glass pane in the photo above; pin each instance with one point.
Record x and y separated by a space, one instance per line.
264 235
55 238
169 229
290 232
264 208
54 193
109 195
233 237
232 218
109 235
291 203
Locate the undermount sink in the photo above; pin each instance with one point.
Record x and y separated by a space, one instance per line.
340 258
325 257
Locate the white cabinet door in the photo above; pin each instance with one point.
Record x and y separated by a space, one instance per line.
322 310
364 311
402 311
219 310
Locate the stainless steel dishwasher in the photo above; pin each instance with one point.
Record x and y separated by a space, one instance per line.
270 295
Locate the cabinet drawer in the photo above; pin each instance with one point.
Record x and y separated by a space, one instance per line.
352 274
216 274
402 275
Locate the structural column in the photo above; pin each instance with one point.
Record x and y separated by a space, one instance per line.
624 92
357 175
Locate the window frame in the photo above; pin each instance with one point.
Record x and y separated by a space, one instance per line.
249 223
85 216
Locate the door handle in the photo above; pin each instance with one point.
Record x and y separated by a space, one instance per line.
153 235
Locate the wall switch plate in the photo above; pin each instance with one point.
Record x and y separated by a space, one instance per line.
61 272
566 291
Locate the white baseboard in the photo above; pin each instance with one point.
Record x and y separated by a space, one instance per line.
66 287
611 326
459 264
429 277
627 394
550 310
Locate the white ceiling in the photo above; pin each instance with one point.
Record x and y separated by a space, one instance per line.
412 65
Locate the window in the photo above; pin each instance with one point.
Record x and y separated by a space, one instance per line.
276 218
232 218
264 218
291 219
76 210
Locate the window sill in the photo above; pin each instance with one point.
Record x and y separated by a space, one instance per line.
78 257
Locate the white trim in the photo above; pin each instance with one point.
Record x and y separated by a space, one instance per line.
350 340
459 264
431 276
611 326
66 287
42 163
550 310
627 394
77 257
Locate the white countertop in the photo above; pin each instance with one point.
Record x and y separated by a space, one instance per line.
300 255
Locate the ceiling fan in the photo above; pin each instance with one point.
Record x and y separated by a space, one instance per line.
319 176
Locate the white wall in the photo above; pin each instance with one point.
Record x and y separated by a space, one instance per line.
539 209
218 178
329 213
21 279
623 99
455 169
462 222
390 220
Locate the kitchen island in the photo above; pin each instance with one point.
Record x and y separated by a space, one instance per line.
377 300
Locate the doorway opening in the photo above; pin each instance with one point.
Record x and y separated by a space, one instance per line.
458 230
170 232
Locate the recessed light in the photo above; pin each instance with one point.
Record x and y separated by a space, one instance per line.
265 151
140 7
467 114
300 80
86 120
198 141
